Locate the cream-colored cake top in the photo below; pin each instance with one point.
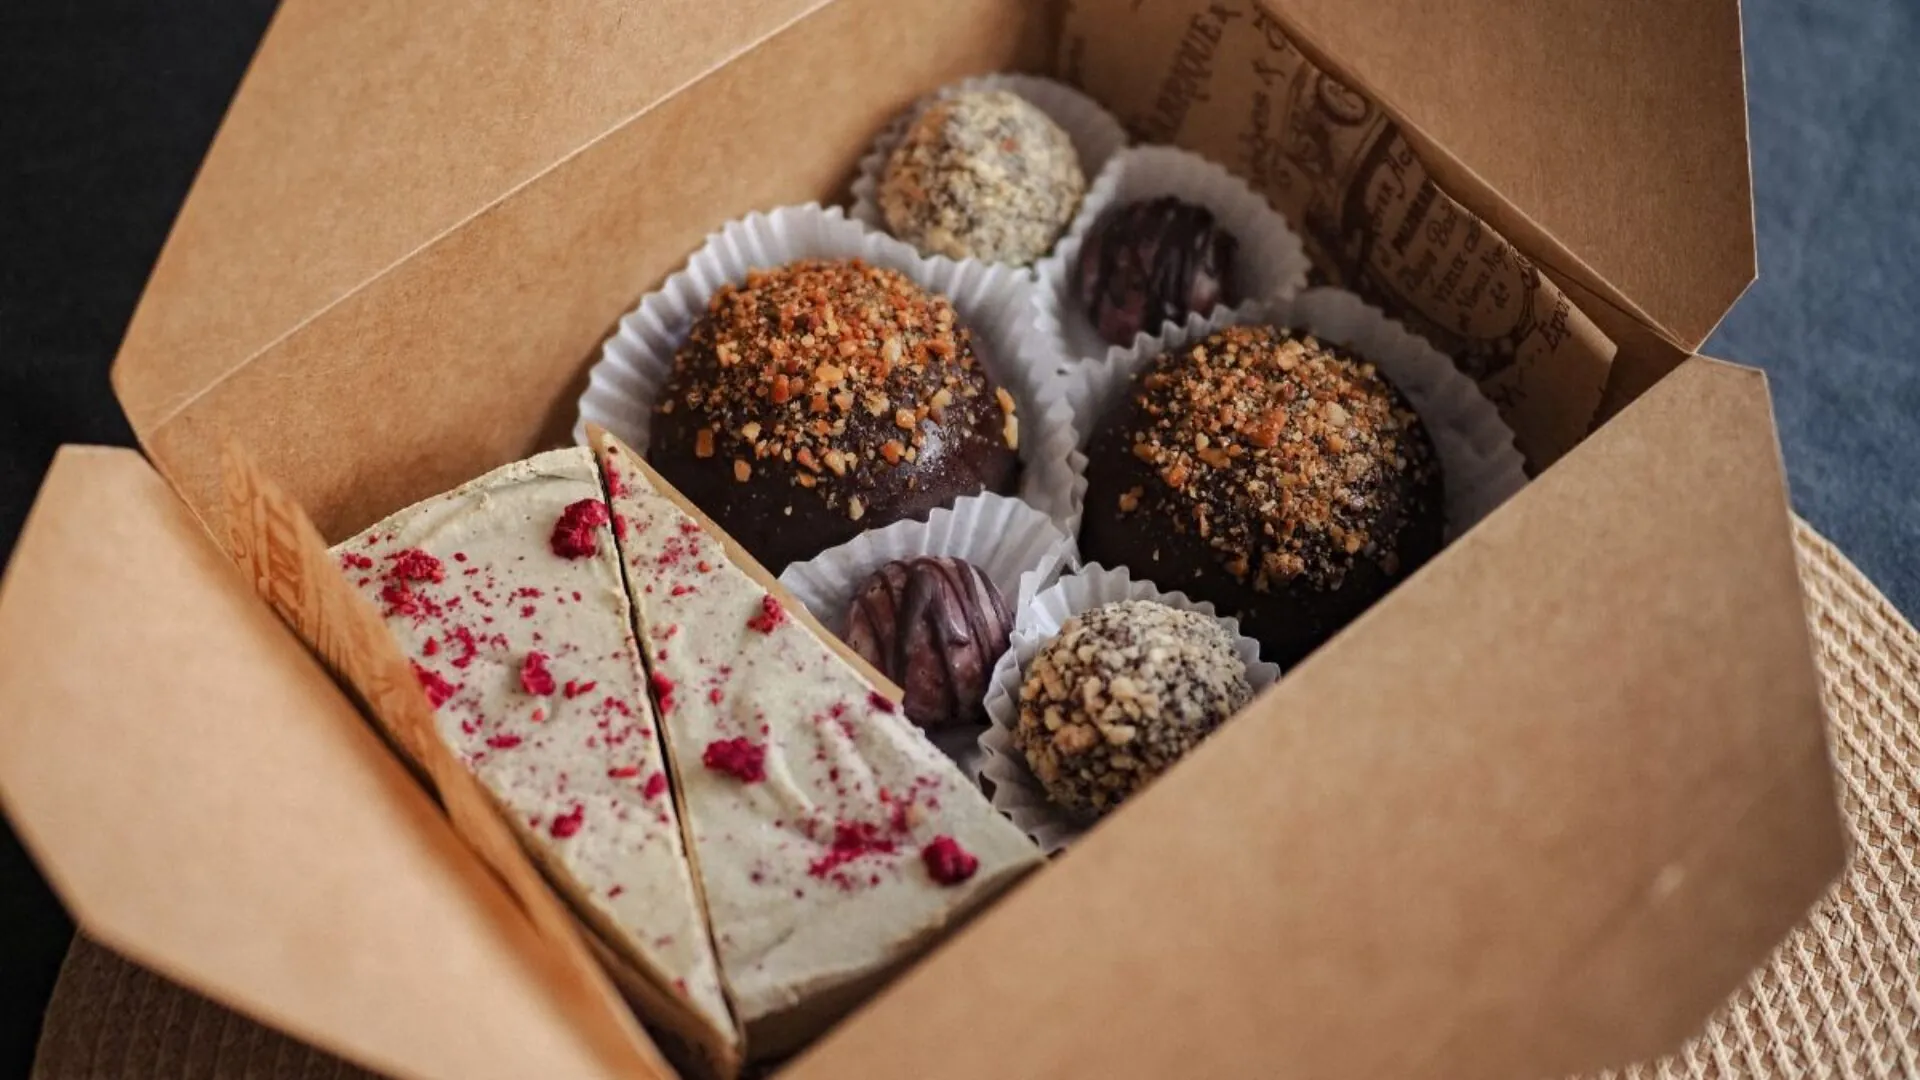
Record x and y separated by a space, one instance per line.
833 840
507 594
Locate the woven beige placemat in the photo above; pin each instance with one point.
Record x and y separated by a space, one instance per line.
1839 998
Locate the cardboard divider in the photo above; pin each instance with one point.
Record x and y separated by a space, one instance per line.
1465 837
207 802
289 567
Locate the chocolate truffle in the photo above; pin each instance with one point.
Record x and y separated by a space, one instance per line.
822 398
935 626
1279 478
1149 263
1123 692
982 175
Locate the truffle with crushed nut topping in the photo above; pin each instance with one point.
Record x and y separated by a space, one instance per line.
982 175
1119 695
826 397
1280 478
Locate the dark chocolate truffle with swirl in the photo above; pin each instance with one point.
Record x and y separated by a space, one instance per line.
826 397
936 626
1280 478
1150 263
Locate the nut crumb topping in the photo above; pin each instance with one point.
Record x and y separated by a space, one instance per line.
1275 449
983 175
826 372
1119 695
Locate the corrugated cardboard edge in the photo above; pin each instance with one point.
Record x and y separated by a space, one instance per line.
1404 854
205 800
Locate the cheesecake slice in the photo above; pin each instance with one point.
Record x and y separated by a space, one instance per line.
507 594
833 841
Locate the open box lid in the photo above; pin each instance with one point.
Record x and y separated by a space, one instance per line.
364 133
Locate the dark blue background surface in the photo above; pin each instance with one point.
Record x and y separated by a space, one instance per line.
106 107
1834 95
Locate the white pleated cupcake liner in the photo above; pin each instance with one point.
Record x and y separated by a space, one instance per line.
991 301
1017 793
1479 463
1269 264
1019 549
1096 133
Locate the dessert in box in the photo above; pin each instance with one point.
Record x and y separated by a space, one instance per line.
508 597
809 379
1287 482
1165 237
834 841
827 397
1147 263
1533 812
983 175
1119 696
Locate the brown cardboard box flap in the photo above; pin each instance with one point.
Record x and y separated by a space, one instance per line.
1619 127
1532 814
207 802
472 351
363 130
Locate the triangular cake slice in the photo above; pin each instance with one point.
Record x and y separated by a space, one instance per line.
507 594
834 842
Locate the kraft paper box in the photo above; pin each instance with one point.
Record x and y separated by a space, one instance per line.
1535 813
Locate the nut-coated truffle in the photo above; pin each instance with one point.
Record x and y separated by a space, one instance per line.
936 626
1283 480
982 175
822 398
1150 263
1121 694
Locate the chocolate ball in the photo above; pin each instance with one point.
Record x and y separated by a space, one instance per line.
1150 263
936 626
1119 695
823 398
1282 479
982 175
